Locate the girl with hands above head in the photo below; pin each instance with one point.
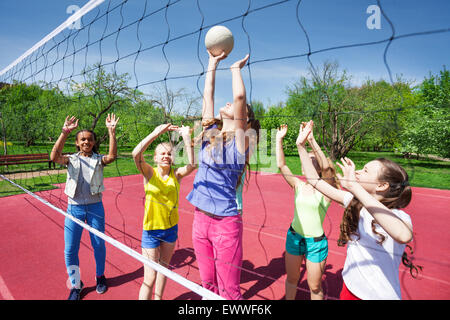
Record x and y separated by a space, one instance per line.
373 227
217 226
305 237
84 187
161 185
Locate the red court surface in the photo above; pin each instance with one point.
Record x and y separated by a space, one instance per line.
32 244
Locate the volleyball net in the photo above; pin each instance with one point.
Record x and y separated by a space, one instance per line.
145 62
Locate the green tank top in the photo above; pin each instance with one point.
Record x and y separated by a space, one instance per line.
310 213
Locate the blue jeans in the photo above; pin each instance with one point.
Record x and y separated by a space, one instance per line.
94 215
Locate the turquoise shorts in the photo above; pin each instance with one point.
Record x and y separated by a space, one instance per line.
314 249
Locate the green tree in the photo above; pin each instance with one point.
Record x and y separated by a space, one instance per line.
29 111
258 109
102 93
139 120
428 130
390 105
346 115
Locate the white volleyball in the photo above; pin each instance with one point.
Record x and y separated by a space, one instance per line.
219 39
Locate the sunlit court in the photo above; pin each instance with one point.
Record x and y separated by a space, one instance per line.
265 226
224 150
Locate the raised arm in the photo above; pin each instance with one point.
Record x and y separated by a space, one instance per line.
138 152
56 156
281 162
394 226
209 89
318 153
111 123
187 169
310 172
240 103
328 173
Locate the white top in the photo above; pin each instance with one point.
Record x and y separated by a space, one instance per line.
371 270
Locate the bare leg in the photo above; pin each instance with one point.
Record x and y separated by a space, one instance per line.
166 252
145 293
293 264
315 272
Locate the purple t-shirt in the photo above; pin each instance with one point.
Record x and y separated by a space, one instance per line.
215 182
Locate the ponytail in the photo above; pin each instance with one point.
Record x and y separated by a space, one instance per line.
413 269
399 193
349 222
254 124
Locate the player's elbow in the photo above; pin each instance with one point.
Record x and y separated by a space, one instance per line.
55 157
135 154
239 99
405 238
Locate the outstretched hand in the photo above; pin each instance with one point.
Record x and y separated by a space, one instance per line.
304 132
184 131
216 59
240 63
163 128
311 135
281 131
348 169
111 121
70 124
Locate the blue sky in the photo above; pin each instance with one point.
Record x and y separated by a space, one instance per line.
267 34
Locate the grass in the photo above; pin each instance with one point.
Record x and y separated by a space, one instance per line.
427 173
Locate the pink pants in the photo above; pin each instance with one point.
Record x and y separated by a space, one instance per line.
218 250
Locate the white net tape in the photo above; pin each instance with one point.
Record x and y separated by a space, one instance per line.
205 293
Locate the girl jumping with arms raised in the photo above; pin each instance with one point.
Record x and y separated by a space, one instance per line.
217 226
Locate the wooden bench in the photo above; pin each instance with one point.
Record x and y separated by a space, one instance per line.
10 159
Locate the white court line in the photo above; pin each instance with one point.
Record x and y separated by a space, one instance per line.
4 291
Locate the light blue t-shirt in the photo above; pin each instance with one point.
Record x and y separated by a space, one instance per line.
219 168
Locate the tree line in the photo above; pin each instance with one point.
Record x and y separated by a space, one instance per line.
374 116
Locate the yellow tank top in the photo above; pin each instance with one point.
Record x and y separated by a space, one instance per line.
161 202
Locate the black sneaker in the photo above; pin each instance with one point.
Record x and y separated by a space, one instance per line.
101 285
75 294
